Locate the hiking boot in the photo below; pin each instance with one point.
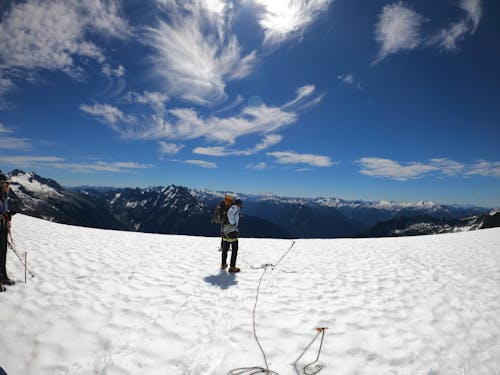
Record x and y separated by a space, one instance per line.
223 266
7 282
234 269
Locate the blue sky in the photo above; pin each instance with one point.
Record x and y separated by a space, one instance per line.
372 100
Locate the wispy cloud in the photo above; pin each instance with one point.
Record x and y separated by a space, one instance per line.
55 35
236 102
202 163
107 113
348 80
155 100
169 148
50 35
29 161
448 167
449 37
386 168
110 72
12 143
100 166
4 129
398 29
473 10
6 85
291 157
213 151
283 20
438 167
258 167
303 93
187 123
484 168
195 52
268 141
64 164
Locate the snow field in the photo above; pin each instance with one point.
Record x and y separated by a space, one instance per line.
110 302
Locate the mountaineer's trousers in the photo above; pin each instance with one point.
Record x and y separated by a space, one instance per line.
234 252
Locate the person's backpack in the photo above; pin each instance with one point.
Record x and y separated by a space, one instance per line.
220 214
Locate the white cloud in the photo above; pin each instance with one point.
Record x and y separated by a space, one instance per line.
11 143
195 53
62 163
187 123
213 151
4 129
52 34
100 166
107 113
261 119
169 148
290 157
257 167
386 168
473 10
484 168
302 93
6 84
239 99
202 163
156 100
29 161
268 141
449 38
398 29
439 167
110 72
348 80
447 166
282 20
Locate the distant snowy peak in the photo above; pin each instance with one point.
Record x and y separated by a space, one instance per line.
494 212
321 201
24 183
180 210
155 197
381 205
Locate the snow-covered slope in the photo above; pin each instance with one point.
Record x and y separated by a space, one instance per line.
111 302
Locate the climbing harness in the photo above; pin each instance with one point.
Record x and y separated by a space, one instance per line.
265 370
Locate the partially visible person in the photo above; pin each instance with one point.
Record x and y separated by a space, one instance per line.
4 229
230 236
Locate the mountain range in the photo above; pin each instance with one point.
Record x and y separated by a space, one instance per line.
180 210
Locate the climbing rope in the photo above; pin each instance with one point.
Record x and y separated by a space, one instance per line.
11 244
258 369
318 367
265 370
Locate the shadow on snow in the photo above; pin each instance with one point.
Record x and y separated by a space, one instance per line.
223 279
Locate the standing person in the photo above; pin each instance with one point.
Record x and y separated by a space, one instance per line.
220 214
4 229
230 236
